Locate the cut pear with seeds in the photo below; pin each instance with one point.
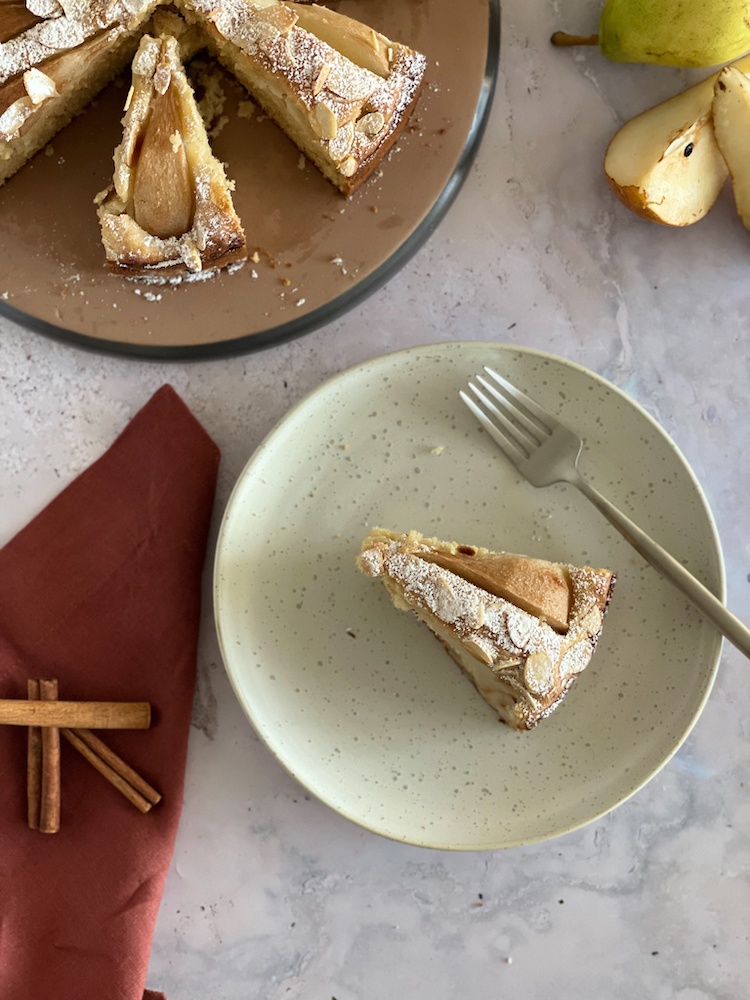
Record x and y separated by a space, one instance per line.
665 164
731 111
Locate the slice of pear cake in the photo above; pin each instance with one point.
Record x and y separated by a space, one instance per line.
341 91
169 208
522 629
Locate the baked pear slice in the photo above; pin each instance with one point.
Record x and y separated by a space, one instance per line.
522 629
169 208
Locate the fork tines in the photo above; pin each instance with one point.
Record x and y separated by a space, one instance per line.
510 416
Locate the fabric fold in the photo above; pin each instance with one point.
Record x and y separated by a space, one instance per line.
102 590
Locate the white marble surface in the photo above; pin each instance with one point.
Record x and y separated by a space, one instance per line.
271 894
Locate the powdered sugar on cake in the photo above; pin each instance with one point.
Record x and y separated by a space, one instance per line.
519 663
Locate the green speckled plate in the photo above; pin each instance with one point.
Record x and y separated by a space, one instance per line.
357 700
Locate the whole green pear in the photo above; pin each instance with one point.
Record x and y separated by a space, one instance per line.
675 32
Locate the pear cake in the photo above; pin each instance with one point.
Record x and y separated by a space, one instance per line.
169 205
55 57
340 90
522 629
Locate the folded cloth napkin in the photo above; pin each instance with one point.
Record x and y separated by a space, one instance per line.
102 591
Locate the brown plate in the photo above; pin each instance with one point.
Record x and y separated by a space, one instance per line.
318 254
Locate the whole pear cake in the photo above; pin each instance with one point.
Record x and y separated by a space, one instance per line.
339 89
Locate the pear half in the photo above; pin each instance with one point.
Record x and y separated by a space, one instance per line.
731 112
665 164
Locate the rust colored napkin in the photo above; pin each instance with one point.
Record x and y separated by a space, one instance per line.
102 590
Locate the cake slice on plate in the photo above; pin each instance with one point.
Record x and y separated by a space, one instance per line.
169 208
522 629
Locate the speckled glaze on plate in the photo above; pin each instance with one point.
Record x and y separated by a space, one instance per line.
358 700
318 253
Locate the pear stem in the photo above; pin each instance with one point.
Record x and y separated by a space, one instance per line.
563 39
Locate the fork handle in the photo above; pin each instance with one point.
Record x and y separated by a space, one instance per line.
667 565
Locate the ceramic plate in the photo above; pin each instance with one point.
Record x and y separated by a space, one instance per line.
358 700
317 253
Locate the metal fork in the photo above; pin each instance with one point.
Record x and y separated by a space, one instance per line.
545 451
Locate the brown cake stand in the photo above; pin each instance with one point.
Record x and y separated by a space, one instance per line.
318 254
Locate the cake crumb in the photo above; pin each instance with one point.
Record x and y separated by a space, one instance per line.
437 450
219 126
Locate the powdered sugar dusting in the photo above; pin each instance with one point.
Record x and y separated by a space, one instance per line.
59 31
537 663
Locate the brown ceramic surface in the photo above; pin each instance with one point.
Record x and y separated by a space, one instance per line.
318 253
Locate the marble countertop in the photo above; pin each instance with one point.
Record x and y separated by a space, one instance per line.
271 894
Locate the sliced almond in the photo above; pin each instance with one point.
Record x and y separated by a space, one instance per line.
478 652
349 167
39 86
576 658
11 92
14 116
350 82
591 623
48 34
278 16
537 672
320 80
163 198
340 145
371 123
520 627
190 255
325 118
45 8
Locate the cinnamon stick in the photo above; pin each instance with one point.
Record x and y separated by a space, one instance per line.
33 764
113 768
49 809
76 714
